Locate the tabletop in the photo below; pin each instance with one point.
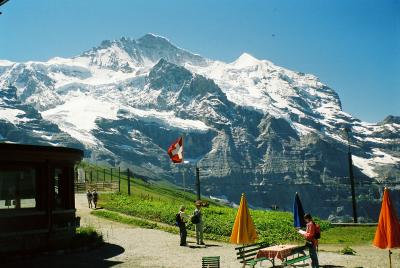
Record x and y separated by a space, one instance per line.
277 251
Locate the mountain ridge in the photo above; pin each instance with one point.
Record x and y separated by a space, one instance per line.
249 122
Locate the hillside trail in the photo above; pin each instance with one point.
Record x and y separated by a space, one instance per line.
130 246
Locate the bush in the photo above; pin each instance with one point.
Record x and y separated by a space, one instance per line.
87 236
348 251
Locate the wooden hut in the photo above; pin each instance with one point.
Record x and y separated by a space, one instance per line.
37 205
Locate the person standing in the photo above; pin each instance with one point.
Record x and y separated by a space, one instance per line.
181 221
95 198
89 197
197 220
312 242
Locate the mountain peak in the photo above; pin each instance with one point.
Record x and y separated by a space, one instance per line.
153 38
391 119
246 60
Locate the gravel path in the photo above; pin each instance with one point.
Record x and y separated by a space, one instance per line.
129 246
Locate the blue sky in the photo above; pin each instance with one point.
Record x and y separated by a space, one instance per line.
353 46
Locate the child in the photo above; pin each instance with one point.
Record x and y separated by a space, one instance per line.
312 242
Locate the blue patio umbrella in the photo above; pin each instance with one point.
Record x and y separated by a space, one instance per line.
298 212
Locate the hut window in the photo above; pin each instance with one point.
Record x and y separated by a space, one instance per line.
58 174
17 189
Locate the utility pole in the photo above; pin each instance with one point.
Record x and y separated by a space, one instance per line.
198 182
351 176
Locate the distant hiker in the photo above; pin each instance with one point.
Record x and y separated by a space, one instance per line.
89 197
311 235
197 220
95 198
181 219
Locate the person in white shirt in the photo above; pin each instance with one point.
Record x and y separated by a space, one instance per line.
182 225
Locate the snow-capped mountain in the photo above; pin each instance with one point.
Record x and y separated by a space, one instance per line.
250 125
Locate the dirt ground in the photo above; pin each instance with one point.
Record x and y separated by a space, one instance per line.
129 246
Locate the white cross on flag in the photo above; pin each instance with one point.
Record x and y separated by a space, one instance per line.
175 151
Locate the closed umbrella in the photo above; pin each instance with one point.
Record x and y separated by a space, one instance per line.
243 231
387 233
298 212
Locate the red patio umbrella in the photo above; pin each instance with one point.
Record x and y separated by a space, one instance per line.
388 230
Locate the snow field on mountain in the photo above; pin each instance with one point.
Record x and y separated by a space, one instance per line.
11 115
75 92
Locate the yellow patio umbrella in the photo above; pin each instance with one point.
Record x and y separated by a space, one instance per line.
243 231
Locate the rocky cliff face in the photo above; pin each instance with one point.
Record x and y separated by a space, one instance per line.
250 126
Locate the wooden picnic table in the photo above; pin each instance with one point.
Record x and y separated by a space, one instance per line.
279 252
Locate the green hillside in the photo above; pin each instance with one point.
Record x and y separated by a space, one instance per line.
153 204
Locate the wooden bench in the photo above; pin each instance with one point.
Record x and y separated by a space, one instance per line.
210 262
301 256
246 254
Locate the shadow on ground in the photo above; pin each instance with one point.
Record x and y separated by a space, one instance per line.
306 265
331 266
201 246
92 258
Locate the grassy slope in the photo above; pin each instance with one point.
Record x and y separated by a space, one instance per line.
159 202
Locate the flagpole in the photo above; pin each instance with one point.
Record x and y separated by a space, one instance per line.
183 170
183 177
198 182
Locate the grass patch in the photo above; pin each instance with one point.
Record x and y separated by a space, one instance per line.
272 226
348 235
347 251
115 216
86 236
124 219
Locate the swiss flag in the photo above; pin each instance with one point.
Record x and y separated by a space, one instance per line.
175 151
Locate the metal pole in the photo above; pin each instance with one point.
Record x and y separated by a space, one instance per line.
104 174
351 176
198 182
97 173
353 194
129 183
111 174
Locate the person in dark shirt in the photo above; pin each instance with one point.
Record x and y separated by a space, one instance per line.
95 198
199 225
89 197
